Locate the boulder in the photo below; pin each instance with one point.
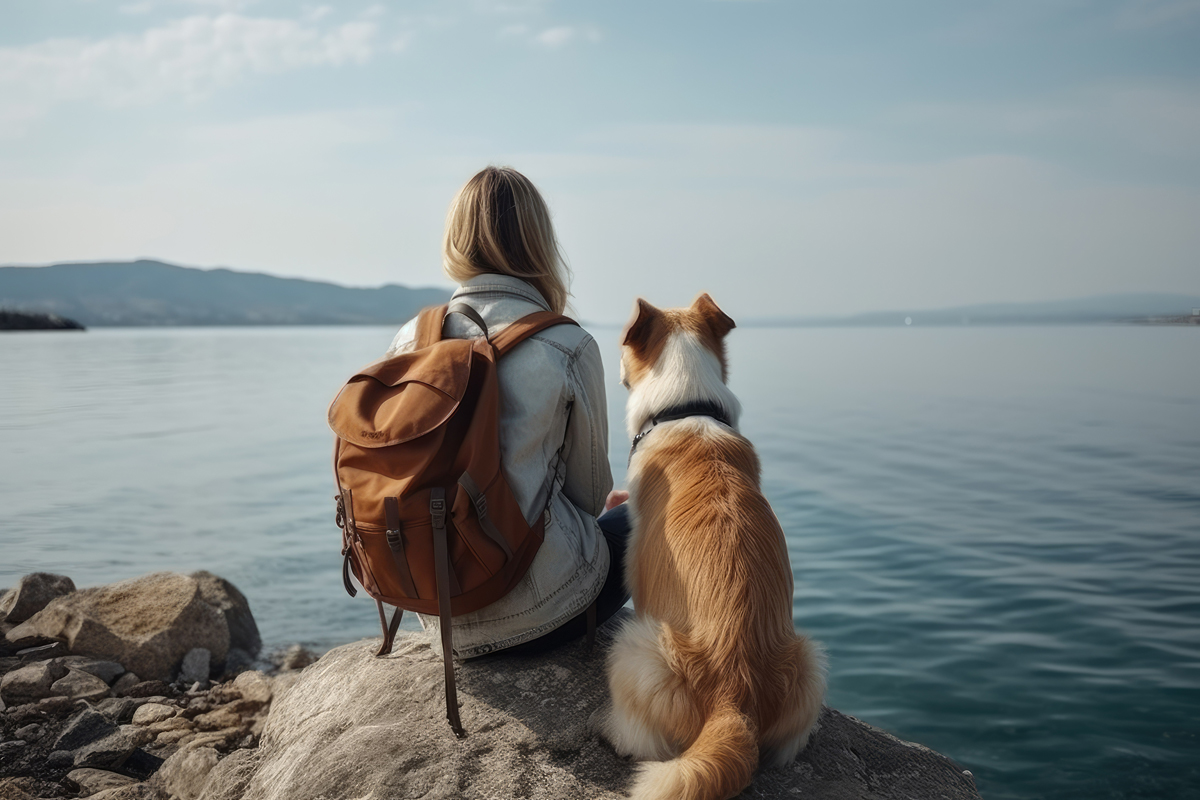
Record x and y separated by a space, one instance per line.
355 726
224 596
146 624
31 682
31 594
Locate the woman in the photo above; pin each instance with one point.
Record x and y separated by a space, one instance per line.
500 247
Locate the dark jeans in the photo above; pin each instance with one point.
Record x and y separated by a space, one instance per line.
615 526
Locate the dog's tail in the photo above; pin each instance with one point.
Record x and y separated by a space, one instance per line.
718 765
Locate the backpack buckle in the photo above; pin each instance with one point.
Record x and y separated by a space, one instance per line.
437 508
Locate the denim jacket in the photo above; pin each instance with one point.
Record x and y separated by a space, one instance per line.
551 399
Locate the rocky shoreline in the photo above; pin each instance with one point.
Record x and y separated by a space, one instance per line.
77 720
148 689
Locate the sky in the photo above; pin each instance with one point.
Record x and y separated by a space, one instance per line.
788 157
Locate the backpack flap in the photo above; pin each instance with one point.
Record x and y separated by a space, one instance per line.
400 399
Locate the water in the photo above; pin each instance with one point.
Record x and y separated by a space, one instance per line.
995 531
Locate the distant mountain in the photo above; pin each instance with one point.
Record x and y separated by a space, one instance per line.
154 293
1079 311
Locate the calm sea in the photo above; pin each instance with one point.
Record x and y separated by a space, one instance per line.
995 531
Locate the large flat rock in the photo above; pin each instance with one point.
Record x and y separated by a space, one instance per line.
354 726
146 624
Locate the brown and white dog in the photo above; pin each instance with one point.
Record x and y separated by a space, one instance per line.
711 673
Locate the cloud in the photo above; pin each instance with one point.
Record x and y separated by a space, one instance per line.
552 38
187 57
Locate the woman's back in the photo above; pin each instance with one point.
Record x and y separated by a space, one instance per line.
553 440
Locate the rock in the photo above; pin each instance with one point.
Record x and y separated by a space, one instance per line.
224 717
91 781
118 709
172 724
195 666
80 686
151 713
141 765
178 737
60 759
29 733
55 706
106 671
296 657
32 593
184 774
3 707
12 749
253 687
111 751
43 652
17 789
224 596
124 683
148 689
84 728
31 682
138 734
357 726
134 791
147 624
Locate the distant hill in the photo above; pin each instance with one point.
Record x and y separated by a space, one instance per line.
154 293
1079 311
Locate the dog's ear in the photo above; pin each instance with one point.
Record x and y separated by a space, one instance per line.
717 320
637 330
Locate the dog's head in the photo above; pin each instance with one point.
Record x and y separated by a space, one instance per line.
702 326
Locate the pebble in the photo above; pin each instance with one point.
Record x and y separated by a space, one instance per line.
195 666
79 685
97 780
29 733
124 683
150 713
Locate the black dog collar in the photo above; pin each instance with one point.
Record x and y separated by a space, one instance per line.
704 408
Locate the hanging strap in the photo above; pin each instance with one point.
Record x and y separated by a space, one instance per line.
441 568
395 540
479 500
525 327
429 325
389 630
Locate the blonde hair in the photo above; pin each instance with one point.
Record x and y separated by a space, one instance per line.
499 223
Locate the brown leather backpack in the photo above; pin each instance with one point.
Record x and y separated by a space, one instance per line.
428 520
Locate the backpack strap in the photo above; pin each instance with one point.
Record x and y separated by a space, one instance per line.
442 570
525 327
429 325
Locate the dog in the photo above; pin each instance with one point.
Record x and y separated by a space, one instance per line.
710 673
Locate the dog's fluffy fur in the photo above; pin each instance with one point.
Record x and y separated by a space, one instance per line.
711 674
